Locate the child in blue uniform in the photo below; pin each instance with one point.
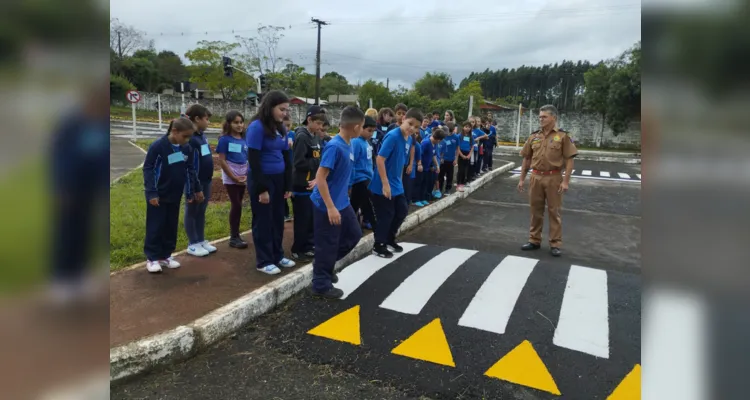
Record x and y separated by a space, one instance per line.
232 151
337 230
387 184
269 183
450 158
415 177
465 145
167 170
362 174
429 164
195 212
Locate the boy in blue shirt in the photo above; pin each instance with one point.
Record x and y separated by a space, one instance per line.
337 230
387 184
362 174
465 145
450 159
429 164
424 130
489 145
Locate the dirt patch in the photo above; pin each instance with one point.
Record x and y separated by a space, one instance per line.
218 191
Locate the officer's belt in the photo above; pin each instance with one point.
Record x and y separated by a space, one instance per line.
538 172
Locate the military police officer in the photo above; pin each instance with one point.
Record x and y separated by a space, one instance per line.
546 153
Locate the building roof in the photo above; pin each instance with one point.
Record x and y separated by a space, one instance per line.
305 100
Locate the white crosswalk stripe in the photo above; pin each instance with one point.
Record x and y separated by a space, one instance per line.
586 172
491 307
356 274
583 323
584 318
604 174
416 290
638 175
623 175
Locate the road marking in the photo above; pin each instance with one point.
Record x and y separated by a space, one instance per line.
586 172
630 387
343 327
638 175
524 367
604 174
427 344
623 175
492 305
584 322
416 290
356 274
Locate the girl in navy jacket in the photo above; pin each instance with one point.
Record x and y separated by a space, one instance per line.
203 162
167 170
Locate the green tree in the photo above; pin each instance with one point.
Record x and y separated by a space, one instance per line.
413 99
118 86
333 83
206 69
171 68
380 95
142 73
438 85
459 102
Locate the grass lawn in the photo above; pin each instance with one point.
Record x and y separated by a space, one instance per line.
128 219
25 231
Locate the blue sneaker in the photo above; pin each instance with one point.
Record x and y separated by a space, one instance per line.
287 263
436 194
270 270
423 203
417 204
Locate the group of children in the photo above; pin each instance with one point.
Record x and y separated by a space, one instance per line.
365 176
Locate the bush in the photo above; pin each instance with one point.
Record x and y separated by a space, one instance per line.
118 86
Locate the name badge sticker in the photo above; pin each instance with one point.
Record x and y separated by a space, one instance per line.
235 148
176 157
466 139
205 150
351 156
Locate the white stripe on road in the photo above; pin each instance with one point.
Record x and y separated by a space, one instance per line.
586 172
416 290
638 175
584 318
492 305
623 175
604 174
356 274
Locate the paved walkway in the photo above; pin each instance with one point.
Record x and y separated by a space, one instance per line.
123 157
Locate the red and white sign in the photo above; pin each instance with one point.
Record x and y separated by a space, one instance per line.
133 96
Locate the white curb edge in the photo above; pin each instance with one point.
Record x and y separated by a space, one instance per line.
182 342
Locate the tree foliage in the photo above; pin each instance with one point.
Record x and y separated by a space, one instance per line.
206 69
380 95
124 39
613 89
119 86
260 51
438 85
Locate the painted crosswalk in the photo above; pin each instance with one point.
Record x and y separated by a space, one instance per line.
601 175
494 317
582 324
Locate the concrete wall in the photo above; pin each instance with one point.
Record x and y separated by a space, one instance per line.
585 128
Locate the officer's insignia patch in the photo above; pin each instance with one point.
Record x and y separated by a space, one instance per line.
536 139
557 138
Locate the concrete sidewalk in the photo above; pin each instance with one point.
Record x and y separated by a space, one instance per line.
123 157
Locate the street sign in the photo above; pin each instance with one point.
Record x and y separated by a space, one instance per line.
133 96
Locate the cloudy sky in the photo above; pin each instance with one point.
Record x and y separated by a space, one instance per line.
398 39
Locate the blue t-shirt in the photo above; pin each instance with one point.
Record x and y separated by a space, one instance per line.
449 144
234 148
339 159
428 150
493 131
410 142
425 133
362 170
475 134
271 148
465 143
291 135
417 158
434 124
394 149
440 151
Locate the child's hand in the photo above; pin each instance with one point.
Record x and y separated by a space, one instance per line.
264 198
199 197
419 168
437 170
311 184
334 217
387 190
240 179
154 202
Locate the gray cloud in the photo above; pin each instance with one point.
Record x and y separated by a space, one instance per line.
401 40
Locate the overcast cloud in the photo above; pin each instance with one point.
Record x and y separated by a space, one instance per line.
398 39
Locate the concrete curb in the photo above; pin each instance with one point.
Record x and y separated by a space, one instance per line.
184 341
585 155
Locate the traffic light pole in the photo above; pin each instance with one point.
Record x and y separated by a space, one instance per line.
257 80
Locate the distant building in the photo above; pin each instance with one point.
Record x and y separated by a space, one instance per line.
296 100
348 99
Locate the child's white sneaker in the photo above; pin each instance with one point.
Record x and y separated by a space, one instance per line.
287 263
197 250
270 270
170 263
153 267
208 246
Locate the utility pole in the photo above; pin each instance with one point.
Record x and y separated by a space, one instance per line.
119 44
317 62
387 82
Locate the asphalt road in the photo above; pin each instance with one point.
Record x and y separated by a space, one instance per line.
462 314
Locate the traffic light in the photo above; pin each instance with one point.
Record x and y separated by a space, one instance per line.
227 63
263 83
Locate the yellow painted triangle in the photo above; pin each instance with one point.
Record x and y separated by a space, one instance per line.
427 344
524 367
343 327
630 387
